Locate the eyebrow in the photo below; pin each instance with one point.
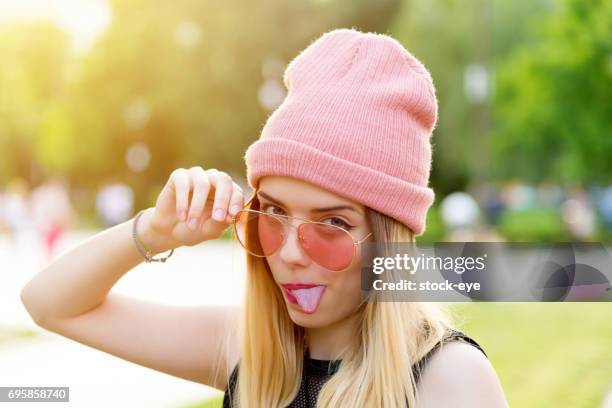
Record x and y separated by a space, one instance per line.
314 210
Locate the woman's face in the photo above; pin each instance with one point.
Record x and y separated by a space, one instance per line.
337 294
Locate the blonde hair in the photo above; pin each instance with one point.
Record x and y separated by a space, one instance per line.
376 369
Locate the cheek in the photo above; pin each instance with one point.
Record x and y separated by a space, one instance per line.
276 266
346 290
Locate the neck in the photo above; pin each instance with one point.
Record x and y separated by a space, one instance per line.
327 343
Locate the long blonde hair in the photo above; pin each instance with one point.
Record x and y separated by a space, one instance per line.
376 369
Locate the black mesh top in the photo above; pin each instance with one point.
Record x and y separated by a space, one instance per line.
317 372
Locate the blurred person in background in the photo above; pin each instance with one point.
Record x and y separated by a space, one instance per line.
491 202
578 213
52 213
14 211
115 203
605 207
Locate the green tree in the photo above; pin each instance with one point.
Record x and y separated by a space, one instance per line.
555 96
32 80
183 78
447 36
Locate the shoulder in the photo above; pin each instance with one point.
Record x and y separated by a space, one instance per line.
459 374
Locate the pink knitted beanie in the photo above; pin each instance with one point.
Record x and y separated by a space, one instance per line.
357 121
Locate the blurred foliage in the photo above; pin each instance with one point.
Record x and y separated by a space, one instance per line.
448 36
555 98
30 84
533 225
181 77
435 230
603 230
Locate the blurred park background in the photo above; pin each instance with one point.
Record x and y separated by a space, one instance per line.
101 100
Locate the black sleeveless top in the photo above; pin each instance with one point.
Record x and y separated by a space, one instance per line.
317 372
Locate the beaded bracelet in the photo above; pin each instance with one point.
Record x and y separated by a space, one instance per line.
144 251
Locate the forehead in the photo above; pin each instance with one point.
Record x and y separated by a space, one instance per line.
300 194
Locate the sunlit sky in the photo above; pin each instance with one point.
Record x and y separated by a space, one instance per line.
83 19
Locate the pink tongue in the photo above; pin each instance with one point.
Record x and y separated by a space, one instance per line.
309 298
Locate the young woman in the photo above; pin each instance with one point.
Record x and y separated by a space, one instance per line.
343 161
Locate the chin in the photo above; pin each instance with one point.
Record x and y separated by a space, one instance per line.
308 320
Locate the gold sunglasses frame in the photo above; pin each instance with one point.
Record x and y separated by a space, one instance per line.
286 219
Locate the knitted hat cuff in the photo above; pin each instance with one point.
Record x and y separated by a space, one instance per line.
406 202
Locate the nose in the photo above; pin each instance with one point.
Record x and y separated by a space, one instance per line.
291 251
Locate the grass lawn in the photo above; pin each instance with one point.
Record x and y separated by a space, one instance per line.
546 354
215 403
7 335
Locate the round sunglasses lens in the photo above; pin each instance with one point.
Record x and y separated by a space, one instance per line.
271 231
330 247
259 234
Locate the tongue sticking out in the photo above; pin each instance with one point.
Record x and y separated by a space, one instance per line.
309 298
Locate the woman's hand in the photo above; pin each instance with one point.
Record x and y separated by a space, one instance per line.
195 205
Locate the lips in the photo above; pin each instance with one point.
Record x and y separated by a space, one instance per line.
292 286
306 295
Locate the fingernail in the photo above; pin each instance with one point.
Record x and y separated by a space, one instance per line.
193 224
234 209
218 215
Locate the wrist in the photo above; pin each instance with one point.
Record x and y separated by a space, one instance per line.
152 239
